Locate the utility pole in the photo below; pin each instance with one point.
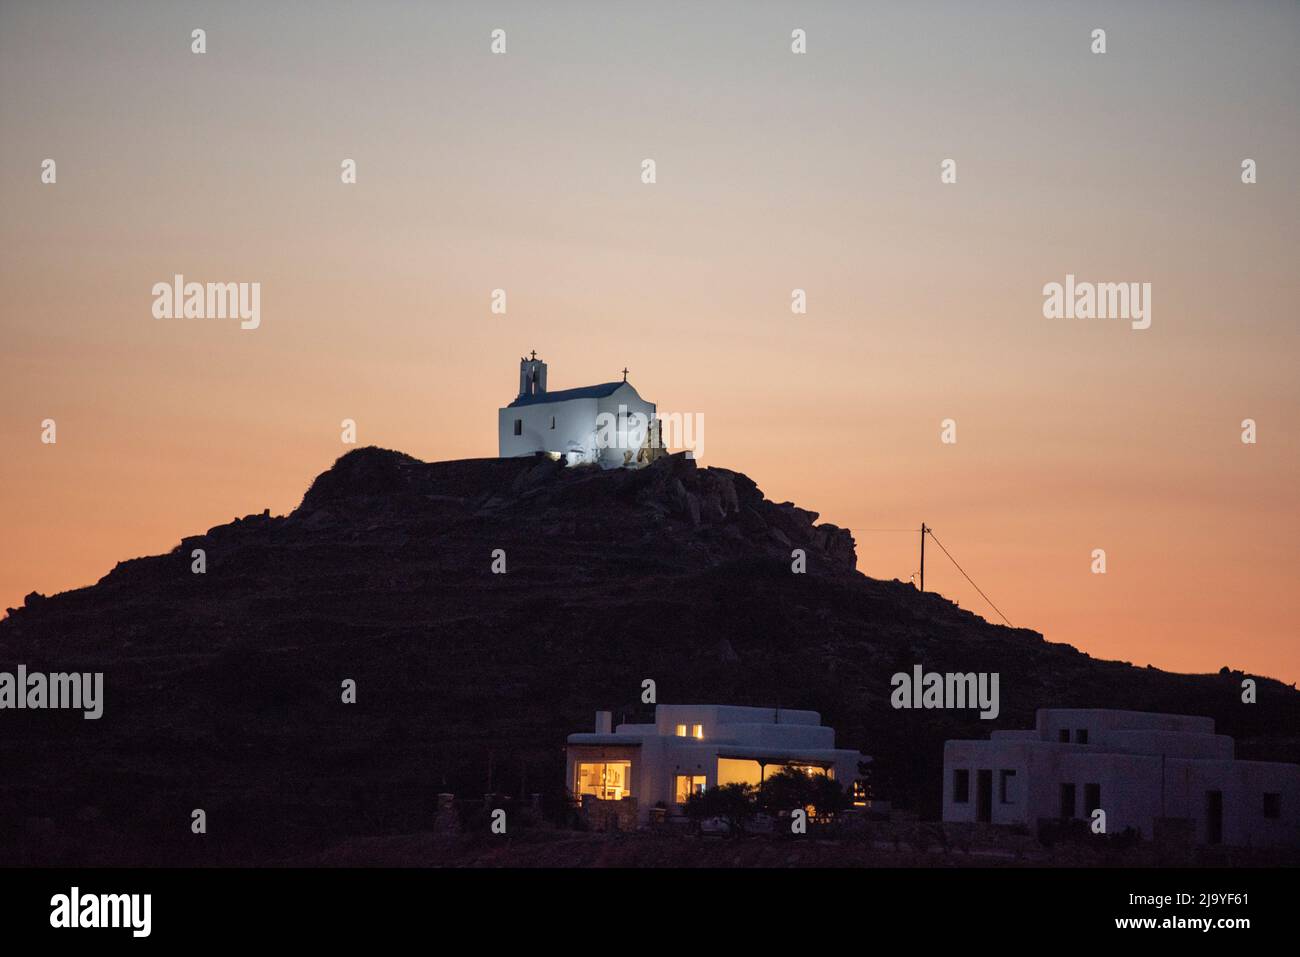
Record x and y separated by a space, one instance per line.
923 531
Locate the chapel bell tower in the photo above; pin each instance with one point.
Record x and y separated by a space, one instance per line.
532 376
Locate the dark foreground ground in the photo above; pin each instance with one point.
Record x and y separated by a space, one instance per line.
571 849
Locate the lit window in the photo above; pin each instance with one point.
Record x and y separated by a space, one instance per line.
607 780
681 731
739 771
811 770
697 731
688 784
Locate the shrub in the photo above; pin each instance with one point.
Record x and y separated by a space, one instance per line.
734 803
791 788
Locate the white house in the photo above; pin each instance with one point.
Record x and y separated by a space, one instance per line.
607 424
692 747
1136 766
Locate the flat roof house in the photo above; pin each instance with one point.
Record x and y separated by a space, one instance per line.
1136 766
692 747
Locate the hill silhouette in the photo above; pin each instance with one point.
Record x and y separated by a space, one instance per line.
222 689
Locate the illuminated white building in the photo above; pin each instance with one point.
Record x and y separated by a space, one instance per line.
1136 766
692 747
608 424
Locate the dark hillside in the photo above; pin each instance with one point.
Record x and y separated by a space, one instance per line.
222 690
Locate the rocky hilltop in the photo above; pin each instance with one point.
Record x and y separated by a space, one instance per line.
223 689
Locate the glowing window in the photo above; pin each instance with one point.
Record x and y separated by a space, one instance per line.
697 731
607 780
813 771
739 771
688 784
681 731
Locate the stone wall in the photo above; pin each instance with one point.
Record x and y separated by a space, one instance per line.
609 815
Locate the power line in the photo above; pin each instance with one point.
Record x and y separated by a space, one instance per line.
926 530
968 578
910 531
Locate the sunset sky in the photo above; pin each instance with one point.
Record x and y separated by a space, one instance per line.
775 171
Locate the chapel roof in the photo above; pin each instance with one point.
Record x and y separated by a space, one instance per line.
583 392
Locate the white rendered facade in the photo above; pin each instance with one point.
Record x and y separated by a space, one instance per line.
690 747
607 424
1135 766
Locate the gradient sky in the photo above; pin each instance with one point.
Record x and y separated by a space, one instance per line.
775 171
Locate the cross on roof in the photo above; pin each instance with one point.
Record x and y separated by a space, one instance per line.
534 354
624 373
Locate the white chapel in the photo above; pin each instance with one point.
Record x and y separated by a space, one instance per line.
608 424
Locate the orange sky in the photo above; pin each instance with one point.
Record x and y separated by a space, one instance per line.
775 171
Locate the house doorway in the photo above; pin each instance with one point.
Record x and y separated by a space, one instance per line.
1214 817
984 796
1067 802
